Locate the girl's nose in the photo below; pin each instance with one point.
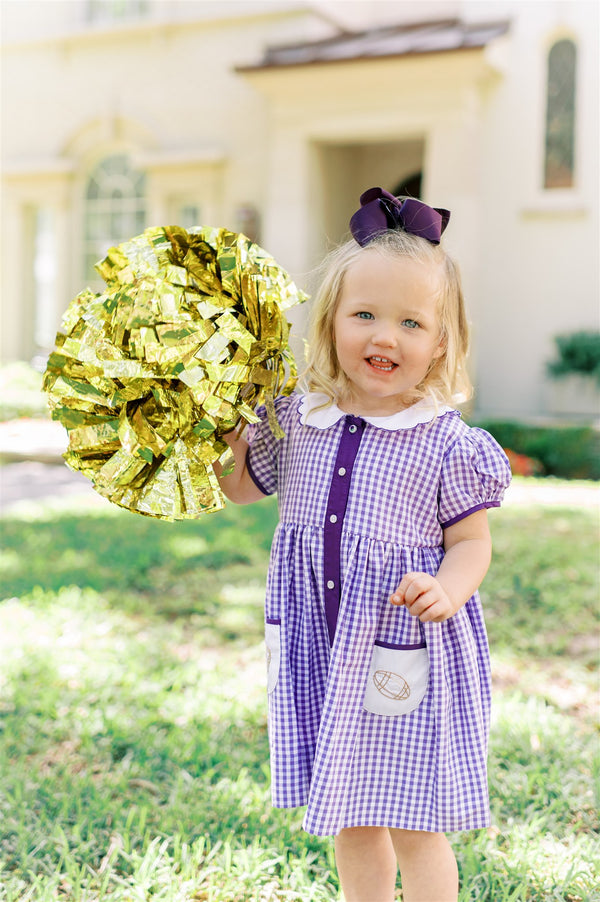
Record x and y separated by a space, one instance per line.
385 338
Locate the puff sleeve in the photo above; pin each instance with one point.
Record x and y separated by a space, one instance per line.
475 475
262 459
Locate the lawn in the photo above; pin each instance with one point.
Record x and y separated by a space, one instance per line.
133 744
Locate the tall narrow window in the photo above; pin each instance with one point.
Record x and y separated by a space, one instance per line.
115 208
559 164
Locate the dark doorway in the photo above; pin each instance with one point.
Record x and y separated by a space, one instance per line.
409 187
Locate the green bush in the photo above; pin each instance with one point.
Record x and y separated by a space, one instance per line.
578 352
572 452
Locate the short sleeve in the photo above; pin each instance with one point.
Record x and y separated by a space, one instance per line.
475 475
262 459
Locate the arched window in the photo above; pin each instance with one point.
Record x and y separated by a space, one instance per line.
559 161
115 208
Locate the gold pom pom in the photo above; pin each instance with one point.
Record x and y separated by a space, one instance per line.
188 338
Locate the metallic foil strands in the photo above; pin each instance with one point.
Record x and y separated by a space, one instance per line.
187 339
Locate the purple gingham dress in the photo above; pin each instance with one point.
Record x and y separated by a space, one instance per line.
374 718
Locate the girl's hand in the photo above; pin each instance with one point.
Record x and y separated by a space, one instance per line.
467 547
238 486
424 597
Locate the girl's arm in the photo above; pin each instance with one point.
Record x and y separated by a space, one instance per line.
238 486
468 551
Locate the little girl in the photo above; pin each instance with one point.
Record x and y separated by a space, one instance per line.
378 666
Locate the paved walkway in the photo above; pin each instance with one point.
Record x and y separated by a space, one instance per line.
32 439
31 452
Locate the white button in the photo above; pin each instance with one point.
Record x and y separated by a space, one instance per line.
333 518
342 471
352 428
330 584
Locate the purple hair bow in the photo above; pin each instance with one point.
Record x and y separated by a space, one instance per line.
380 211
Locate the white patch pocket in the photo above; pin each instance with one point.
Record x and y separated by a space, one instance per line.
273 644
398 679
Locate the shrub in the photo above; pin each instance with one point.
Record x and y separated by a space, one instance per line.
572 452
578 352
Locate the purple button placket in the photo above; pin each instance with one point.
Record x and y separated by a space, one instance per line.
334 517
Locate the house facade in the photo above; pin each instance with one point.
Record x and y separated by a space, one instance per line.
272 117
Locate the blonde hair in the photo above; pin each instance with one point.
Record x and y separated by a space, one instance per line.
446 381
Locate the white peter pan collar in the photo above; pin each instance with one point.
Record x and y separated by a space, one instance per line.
313 414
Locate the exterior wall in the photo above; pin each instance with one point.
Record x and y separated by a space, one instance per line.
163 90
538 274
298 145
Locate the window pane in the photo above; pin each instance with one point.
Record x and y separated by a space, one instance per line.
140 185
189 215
92 188
560 116
114 10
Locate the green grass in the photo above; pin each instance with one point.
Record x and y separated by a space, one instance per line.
133 744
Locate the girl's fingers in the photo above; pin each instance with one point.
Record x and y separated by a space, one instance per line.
422 603
417 585
422 596
411 587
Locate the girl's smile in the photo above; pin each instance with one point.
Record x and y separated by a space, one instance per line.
386 331
381 363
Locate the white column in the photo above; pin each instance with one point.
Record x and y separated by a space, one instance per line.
289 218
13 287
453 180
287 214
65 289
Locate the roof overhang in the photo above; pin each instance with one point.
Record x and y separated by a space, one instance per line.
434 37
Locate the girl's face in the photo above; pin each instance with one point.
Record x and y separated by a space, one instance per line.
386 331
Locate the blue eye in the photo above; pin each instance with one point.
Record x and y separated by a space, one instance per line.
364 315
410 323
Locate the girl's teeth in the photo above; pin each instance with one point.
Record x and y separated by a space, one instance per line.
382 363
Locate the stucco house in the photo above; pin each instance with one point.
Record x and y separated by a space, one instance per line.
272 117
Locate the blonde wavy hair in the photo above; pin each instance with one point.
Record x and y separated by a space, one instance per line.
447 381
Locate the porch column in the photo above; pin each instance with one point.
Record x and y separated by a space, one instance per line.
453 180
287 219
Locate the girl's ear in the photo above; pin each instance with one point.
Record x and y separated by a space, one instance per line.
441 348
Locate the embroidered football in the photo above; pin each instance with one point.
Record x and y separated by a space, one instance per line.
391 684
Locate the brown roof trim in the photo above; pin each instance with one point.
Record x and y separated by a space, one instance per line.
439 36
